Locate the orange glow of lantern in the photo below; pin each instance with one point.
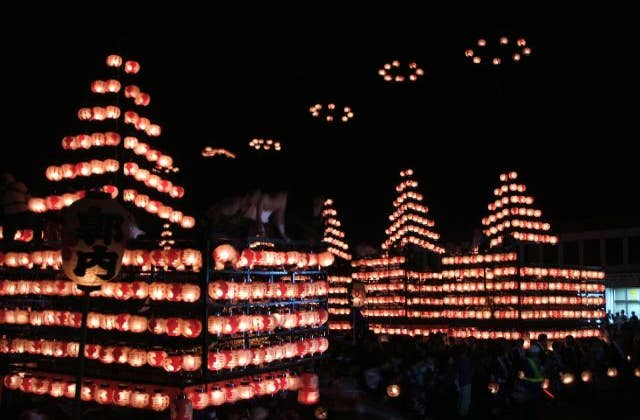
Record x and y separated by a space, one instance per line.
114 60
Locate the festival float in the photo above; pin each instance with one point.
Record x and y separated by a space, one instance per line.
169 320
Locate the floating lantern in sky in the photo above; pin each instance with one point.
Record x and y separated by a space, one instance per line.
332 112
399 72
498 52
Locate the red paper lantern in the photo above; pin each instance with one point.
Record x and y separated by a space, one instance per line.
155 358
131 67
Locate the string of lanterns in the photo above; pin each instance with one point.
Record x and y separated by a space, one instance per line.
142 124
152 181
70 171
225 325
226 254
87 141
152 155
256 290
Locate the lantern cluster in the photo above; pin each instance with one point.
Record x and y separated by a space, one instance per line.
239 358
333 234
139 97
331 112
265 144
103 392
87 141
512 216
398 72
99 113
152 155
152 181
40 259
266 322
225 254
502 51
142 124
410 226
21 235
156 207
93 167
258 290
210 152
180 259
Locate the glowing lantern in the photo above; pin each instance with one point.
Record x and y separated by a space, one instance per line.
113 86
153 130
567 378
393 391
166 161
131 67
111 165
612 372
54 173
98 86
309 396
112 112
190 328
159 401
188 222
158 325
139 398
37 205
217 395
191 362
245 391
137 324
137 357
190 292
41 386
57 388
141 200
122 396
13 381
176 216
217 361
155 358
231 392
164 212
586 376
104 394
87 391
120 354
114 60
172 363
224 254
157 291
325 259
106 355
142 124
493 387
199 398
85 114
112 138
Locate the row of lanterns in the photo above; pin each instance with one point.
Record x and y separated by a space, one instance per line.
378 262
334 279
130 66
484 335
141 148
87 141
405 218
139 97
221 289
22 235
142 124
493 230
339 325
379 274
339 311
54 202
513 199
514 285
226 254
408 207
173 292
93 167
511 187
513 211
125 322
265 322
490 273
156 207
100 391
99 113
152 180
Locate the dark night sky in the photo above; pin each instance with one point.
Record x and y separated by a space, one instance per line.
563 117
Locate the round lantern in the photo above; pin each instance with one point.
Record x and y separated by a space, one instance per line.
131 91
174 327
159 401
224 254
158 326
70 390
217 361
13 381
138 324
87 391
131 67
172 363
493 387
217 395
199 398
567 378
104 394
393 391
191 362
155 358
188 222
190 292
122 396
308 396
106 355
166 161
612 372
139 398
114 60
137 357
246 391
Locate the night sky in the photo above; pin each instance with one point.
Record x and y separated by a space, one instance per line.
563 117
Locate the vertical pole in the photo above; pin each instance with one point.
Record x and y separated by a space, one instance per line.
77 414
